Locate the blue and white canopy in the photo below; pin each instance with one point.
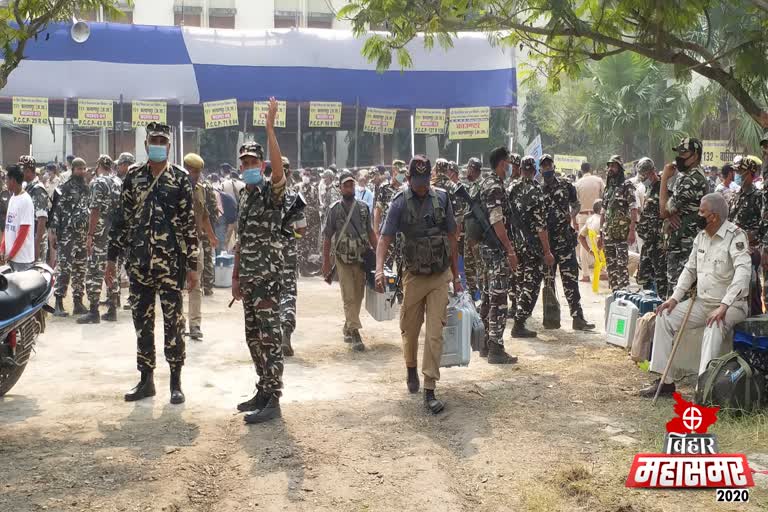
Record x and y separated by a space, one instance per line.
192 65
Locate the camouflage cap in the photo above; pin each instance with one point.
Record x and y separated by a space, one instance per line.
79 162
126 158
158 130
689 144
104 161
399 165
27 161
747 163
475 164
345 176
441 165
328 173
419 166
644 166
253 149
616 159
528 162
544 157
515 159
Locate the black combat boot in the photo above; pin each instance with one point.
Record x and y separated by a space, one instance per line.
270 410
580 324
78 308
111 314
497 355
432 404
287 348
144 389
413 380
357 342
177 395
92 316
59 310
519 330
254 403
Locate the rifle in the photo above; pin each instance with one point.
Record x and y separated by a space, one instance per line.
525 234
398 282
476 211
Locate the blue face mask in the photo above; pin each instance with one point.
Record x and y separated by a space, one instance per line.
252 176
548 174
400 177
157 153
737 179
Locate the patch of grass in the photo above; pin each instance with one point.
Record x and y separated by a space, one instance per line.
575 481
537 497
742 433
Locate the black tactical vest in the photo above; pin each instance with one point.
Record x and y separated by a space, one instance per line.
425 240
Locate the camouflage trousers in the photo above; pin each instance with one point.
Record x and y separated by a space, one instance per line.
472 266
143 308
94 274
493 309
289 289
71 264
566 261
653 267
527 279
207 255
42 249
677 257
113 292
262 333
617 261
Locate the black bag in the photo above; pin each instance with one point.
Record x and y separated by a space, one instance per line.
551 304
730 382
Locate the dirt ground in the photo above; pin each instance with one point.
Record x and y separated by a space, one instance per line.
556 432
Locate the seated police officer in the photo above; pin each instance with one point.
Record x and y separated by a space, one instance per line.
425 218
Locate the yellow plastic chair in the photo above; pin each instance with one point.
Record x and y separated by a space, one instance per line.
599 260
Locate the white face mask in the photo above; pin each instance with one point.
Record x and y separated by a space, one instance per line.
305 179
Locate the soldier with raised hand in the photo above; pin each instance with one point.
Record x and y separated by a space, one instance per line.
618 223
290 271
39 195
103 201
256 279
529 207
155 230
561 224
430 261
70 224
653 255
681 207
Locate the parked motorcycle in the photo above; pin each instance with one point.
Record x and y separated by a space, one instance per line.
23 304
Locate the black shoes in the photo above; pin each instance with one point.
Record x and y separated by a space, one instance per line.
270 410
287 348
92 316
144 389
497 355
255 403
208 292
177 395
357 342
650 391
413 380
59 309
195 333
519 330
79 309
348 338
432 404
580 324
110 315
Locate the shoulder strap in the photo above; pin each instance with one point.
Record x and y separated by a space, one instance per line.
143 198
344 228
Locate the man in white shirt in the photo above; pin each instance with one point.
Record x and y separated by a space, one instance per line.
589 188
362 192
18 247
721 267
728 187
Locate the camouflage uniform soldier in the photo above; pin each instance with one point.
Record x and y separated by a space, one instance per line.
529 208
681 209
514 161
209 246
308 244
290 271
155 230
384 195
124 163
39 196
473 270
653 257
745 211
498 255
563 208
258 262
617 223
70 223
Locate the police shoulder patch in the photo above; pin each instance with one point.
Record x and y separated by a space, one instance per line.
740 246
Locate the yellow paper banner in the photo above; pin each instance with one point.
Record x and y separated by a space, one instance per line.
30 110
570 164
718 153
260 109
469 123
324 114
145 112
219 114
94 113
429 121
379 120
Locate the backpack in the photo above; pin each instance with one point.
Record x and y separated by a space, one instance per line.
229 207
643 339
730 382
473 231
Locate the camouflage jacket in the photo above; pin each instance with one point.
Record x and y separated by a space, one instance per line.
155 226
70 216
650 224
494 201
260 239
105 196
529 203
687 191
618 200
745 211
561 202
39 196
459 206
384 199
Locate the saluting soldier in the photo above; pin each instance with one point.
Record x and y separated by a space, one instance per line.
39 195
155 230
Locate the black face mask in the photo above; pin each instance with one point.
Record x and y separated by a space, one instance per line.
348 197
680 162
701 222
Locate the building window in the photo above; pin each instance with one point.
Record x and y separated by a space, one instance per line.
187 13
288 14
221 17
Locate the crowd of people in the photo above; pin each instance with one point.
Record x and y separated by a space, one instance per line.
495 233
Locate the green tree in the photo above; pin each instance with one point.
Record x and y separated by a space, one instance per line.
726 42
22 20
